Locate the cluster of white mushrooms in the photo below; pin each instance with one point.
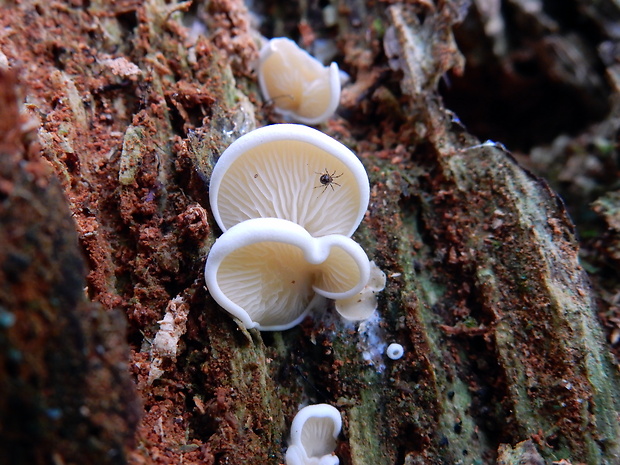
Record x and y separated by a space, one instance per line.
286 242
288 198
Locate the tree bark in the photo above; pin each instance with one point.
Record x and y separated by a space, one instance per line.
505 359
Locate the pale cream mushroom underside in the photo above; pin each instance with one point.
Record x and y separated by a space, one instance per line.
278 171
314 432
266 271
363 304
297 84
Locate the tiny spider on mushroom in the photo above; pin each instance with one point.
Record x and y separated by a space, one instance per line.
327 180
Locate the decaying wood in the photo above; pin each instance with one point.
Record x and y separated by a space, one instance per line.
505 359
66 392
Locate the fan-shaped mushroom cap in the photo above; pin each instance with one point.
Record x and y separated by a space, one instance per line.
276 172
265 271
297 83
314 432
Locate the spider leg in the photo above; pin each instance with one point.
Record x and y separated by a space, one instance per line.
324 188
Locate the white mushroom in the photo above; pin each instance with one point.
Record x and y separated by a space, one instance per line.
395 351
314 432
362 305
266 271
293 172
299 86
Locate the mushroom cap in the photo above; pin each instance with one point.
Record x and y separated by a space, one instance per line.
395 351
362 305
296 455
275 172
266 271
314 432
299 86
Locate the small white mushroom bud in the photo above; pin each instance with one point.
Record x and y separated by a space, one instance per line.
362 305
395 351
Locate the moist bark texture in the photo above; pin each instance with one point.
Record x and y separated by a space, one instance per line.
112 116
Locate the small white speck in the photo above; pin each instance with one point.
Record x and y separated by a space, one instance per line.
395 351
